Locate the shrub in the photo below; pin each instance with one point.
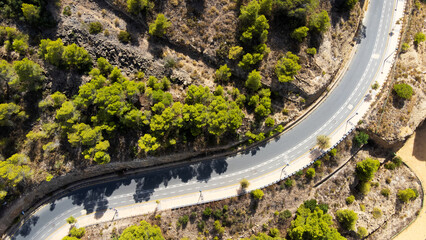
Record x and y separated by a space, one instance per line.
71 220
67 11
385 192
419 37
217 214
405 47
349 4
311 204
319 22
124 36
362 232
362 207
77 232
350 199
244 183
95 27
333 152
287 67
390 166
406 195
403 90
347 218
388 180
274 232
361 138
397 160
323 141
323 207
286 214
207 212
310 173
201 225
377 213
317 164
159 27
136 6
183 220
289 183
364 188
269 122
218 227
257 194
311 51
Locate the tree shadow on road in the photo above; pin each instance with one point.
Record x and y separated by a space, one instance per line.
25 229
202 172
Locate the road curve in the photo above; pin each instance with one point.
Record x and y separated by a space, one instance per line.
215 173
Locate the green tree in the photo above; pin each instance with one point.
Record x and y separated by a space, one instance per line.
15 169
249 60
249 13
77 57
406 195
300 33
253 80
361 138
235 52
347 218
30 75
95 27
104 66
366 169
83 134
312 224
20 46
10 113
287 67
143 232
403 90
159 27
419 38
320 22
148 143
31 12
218 227
257 194
223 73
52 51
136 6
323 141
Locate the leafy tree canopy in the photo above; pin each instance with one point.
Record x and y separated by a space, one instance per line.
366 169
315 225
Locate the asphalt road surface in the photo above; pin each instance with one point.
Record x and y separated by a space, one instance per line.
226 171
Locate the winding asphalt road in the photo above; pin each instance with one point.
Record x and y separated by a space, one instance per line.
225 171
